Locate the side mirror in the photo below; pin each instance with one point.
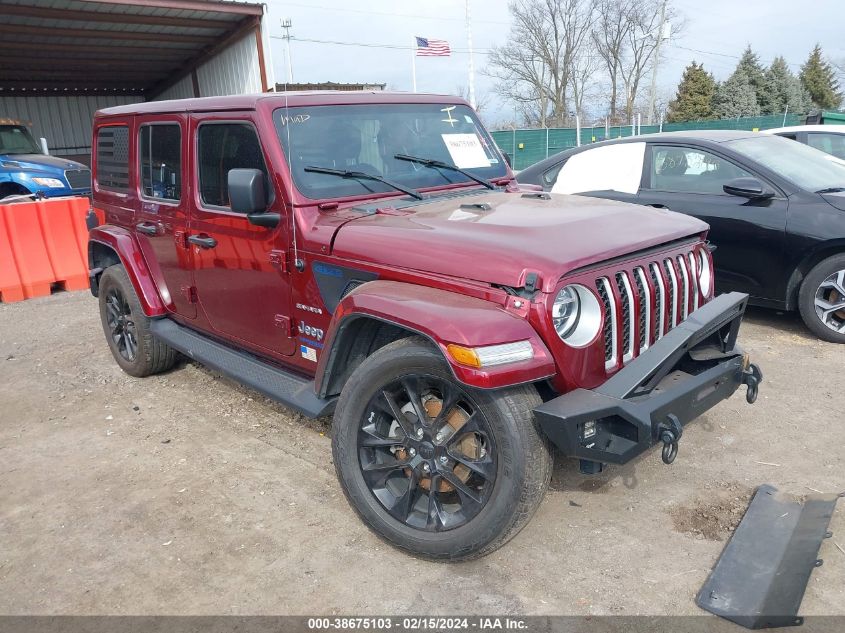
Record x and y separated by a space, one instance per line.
248 195
750 188
44 149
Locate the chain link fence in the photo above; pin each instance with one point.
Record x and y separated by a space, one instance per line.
528 146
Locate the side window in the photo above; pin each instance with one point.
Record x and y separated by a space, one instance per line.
688 170
221 147
113 157
160 154
829 143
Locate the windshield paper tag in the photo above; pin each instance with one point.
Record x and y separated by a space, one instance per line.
466 150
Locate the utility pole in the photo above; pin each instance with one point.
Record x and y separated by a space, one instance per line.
471 65
286 24
660 30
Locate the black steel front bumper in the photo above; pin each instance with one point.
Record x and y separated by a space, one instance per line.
688 371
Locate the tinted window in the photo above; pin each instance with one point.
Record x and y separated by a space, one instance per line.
113 157
802 165
161 161
221 147
613 167
691 170
16 139
829 143
367 138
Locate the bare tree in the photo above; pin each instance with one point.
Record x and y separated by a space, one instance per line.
582 76
610 36
641 42
534 67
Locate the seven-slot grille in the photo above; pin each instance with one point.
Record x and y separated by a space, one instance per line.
642 304
78 178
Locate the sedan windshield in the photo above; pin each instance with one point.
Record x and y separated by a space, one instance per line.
804 166
16 139
371 138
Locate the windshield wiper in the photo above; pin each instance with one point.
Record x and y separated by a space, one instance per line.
360 175
439 164
831 190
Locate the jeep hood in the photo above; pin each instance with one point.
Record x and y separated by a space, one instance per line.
512 237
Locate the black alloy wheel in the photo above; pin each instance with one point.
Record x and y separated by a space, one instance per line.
427 453
121 324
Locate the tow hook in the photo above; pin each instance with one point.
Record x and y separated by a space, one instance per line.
669 433
752 376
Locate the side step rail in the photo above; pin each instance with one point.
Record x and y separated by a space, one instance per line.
286 388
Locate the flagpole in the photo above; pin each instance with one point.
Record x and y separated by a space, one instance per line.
471 65
414 65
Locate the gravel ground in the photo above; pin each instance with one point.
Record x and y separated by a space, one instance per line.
185 493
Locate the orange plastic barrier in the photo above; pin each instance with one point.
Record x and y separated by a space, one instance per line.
45 243
11 288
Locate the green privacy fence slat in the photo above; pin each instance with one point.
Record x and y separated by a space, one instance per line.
529 146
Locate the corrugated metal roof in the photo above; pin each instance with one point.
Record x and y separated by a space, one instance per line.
95 45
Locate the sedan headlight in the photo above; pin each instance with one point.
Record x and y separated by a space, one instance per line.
705 272
54 183
576 315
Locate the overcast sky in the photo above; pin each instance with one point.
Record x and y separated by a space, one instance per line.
717 29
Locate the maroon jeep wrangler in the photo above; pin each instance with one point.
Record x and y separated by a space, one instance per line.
370 256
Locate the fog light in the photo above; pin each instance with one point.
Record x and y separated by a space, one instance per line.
589 429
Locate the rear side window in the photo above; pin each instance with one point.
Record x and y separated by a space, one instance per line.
615 167
160 149
113 157
833 144
220 148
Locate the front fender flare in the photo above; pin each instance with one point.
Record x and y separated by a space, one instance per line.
123 243
443 317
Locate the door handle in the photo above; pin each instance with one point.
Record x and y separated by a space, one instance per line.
147 228
657 205
203 241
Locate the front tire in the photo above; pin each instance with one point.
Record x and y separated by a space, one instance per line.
127 328
822 299
434 467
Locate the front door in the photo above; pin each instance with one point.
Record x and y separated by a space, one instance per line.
749 235
240 271
162 219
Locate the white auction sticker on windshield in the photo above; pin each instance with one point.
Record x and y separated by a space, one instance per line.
466 150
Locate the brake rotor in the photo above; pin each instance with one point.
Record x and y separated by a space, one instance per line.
469 445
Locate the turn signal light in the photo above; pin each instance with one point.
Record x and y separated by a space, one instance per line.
491 355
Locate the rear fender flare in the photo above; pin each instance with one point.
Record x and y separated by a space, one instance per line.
442 317
122 243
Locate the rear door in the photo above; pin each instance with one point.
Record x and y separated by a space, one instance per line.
749 235
161 222
240 270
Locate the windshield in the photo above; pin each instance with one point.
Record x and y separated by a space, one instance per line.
16 139
366 138
804 166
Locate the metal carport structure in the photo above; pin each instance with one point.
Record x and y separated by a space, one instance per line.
61 60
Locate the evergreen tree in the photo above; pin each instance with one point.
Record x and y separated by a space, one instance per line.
736 97
782 91
750 64
818 78
694 99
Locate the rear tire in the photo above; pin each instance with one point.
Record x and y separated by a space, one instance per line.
479 451
821 294
127 329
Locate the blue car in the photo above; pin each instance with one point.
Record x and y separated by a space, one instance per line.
25 169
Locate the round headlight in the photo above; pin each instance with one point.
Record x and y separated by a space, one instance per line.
565 311
576 315
705 273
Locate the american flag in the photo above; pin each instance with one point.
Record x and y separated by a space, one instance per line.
432 48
